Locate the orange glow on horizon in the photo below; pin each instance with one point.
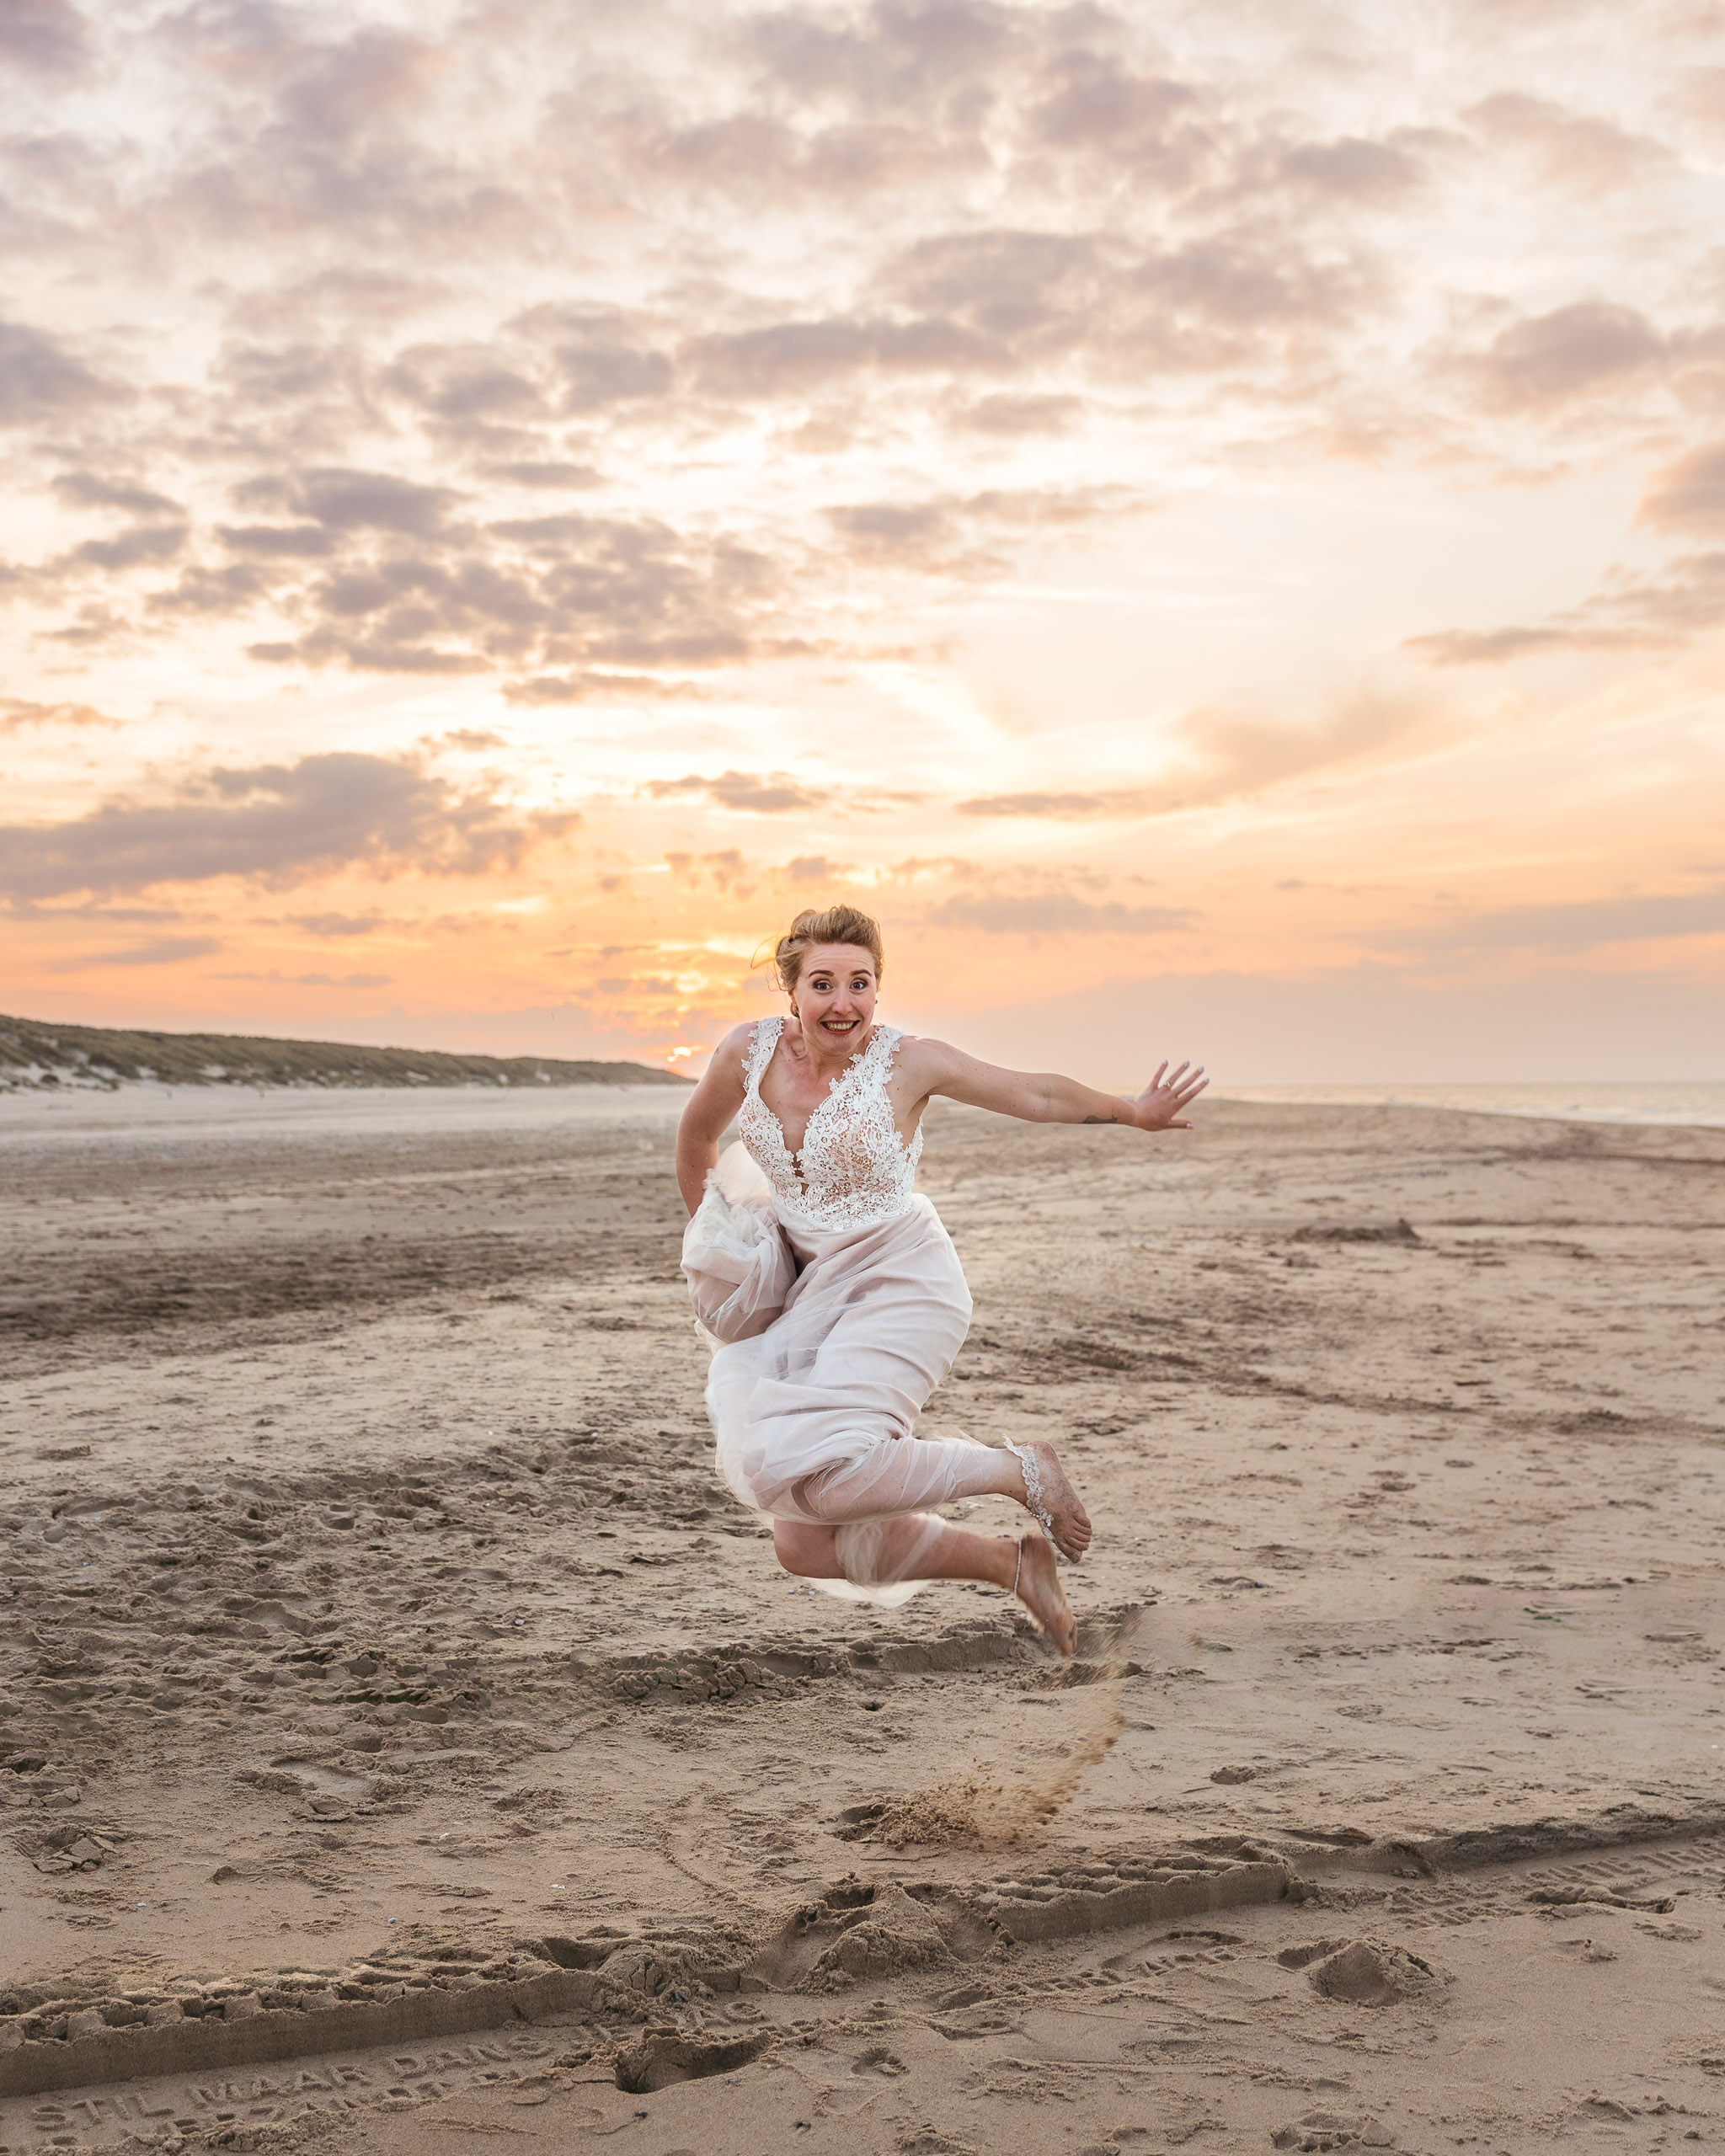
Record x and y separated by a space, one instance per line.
1199 530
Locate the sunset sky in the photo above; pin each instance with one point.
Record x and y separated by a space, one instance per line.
1209 519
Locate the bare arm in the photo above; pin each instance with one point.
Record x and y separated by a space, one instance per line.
1045 1096
709 1110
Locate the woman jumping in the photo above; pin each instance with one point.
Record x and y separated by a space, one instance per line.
834 1297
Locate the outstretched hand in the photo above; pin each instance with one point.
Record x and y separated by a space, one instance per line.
1158 1107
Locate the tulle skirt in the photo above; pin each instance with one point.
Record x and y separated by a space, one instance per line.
826 1346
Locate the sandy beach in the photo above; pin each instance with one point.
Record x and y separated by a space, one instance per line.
409 1744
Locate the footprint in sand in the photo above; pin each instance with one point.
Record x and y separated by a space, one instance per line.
660 2059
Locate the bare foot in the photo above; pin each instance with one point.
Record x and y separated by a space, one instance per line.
1068 1523
1040 1591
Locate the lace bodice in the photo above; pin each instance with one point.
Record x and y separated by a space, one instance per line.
854 1171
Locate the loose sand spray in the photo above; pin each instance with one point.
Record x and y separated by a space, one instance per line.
989 1805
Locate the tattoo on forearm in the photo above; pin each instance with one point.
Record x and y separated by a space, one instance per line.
1102 1118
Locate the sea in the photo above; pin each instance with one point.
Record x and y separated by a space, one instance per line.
198 1109
1699 1100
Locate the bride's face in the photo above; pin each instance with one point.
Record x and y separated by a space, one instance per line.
834 994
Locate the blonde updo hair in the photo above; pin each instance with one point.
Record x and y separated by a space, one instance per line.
815 925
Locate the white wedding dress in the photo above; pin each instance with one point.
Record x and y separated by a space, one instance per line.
834 1303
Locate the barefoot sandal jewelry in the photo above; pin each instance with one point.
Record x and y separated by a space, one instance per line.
1032 1487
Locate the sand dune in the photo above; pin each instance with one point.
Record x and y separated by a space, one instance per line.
406 1740
37 1056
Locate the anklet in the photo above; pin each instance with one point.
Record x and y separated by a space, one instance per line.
1032 1487
1018 1543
